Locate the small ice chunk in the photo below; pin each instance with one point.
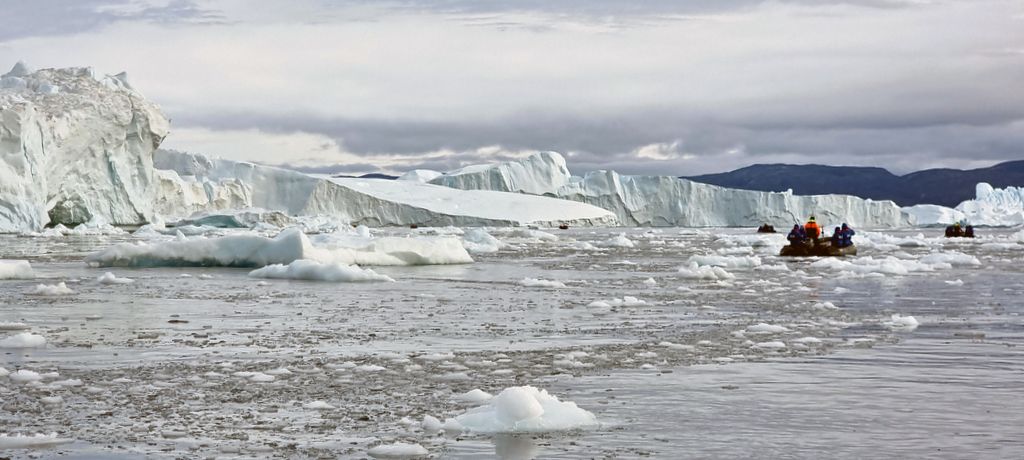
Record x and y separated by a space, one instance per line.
534 282
51 290
16 270
24 376
318 405
902 323
773 345
475 396
431 424
110 278
23 340
398 450
764 328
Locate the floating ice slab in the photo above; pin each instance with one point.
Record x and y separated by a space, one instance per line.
18 441
315 271
251 251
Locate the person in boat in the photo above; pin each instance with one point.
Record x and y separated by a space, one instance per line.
969 231
797 235
958 230
812 229
846 236
837 238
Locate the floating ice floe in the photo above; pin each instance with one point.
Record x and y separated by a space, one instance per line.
318 405
726 261
290 245
315 271
18 441
16 270
704 272
534 282
23 340
526 410
773 345
626 301
24 376
398 450
478 241
51 289
110 278
618 241
764 328
902 323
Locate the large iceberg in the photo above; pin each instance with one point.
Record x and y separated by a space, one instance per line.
224 184
670 201
990 207
75 147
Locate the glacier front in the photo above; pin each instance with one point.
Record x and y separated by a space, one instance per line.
192 183
668 200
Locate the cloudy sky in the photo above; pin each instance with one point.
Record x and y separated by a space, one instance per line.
657 86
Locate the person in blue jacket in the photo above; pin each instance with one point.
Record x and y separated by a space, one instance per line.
797 235
837 237
846 236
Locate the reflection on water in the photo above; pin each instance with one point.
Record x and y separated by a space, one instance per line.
515 447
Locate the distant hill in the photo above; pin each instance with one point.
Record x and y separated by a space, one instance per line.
368 176
946 187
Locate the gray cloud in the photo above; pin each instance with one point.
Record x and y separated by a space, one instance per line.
68 17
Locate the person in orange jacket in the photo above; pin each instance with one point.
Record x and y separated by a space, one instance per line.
812 229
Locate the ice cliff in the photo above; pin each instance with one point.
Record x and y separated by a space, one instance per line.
990 207
669 201
191 183
75 147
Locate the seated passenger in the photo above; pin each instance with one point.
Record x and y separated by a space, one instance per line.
797 235
847 236
811 229
837 238
969 231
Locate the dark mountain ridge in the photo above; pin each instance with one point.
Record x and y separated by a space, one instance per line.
946 187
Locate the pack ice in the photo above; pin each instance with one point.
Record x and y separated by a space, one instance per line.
991 207
668 200
75 147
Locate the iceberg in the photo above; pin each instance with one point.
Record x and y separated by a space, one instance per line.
73 148
252 251
991 207
668 200
225 184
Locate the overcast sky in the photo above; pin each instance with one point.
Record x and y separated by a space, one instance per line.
655 86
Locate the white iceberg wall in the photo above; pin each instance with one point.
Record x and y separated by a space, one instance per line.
670 201
994 207
360 201
990 207
74 148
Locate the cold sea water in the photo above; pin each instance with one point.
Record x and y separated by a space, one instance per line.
683 343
